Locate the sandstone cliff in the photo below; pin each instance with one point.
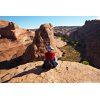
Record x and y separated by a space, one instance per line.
65 72
89 37
69 32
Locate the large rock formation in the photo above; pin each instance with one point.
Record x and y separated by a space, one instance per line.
14 41
43 37
7 29
21 46
12 31
89 37
6 25
65 72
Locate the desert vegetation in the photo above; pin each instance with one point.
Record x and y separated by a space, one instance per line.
72 51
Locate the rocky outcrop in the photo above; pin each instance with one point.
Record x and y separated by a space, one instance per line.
7 28
89 37
65 72
12 31
24 44
60 43
44 36
13 42
6 25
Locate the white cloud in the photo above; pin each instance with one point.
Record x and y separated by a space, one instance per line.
98 17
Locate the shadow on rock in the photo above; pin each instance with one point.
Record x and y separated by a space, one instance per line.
10 64
37 70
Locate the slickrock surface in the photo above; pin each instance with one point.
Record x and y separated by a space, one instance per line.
60 43
65 72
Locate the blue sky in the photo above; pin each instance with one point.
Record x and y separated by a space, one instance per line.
36 21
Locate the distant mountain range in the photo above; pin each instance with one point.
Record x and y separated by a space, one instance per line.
62 28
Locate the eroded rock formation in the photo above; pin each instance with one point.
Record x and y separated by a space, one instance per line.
43 37
24 45
12 31
13 42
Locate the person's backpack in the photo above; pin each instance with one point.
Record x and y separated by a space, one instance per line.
54 64
49 64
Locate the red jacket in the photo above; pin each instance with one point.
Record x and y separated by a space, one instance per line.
49 55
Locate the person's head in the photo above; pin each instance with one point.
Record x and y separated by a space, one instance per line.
49 48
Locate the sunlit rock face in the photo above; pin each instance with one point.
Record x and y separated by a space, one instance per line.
13 41
44 36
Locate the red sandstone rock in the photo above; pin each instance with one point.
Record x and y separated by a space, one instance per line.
65 72
22 45
6 25
10 30
21 40
43 37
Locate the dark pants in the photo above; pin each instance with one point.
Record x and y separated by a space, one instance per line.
48 64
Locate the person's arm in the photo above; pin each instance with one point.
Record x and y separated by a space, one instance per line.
53 55
56 60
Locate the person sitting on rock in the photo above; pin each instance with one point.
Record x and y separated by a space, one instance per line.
50 60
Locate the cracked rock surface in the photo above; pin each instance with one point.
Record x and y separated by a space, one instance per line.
65 72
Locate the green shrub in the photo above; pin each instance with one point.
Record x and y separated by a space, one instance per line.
56 37
85 62
64 39
60 59
74 43
69 54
